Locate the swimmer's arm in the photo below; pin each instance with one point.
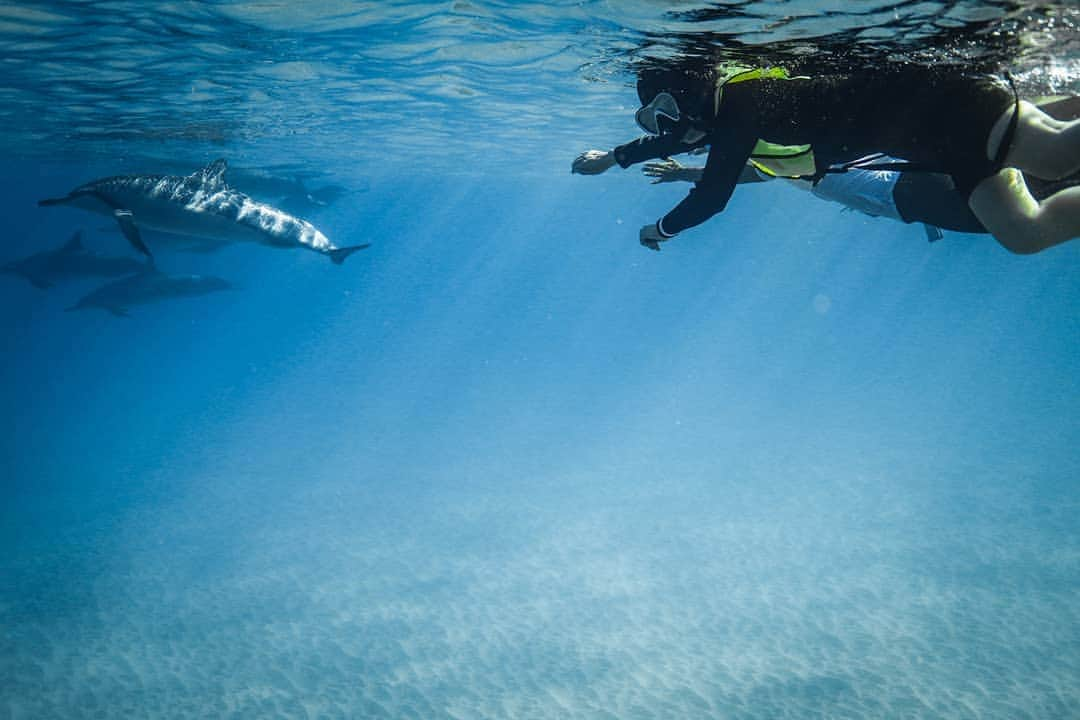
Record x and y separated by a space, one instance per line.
669 170
652 147
595 162
727 160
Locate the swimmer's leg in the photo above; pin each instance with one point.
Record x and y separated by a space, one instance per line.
1045 147
1005 206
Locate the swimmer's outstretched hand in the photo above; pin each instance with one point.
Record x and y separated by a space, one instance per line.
593 162
669 170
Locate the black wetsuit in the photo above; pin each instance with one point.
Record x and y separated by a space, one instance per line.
936 119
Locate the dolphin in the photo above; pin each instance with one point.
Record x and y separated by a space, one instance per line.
281 186
148 286
198 205
68 262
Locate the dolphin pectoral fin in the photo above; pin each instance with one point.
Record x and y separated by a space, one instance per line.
127 226
39 283
117 311
338 255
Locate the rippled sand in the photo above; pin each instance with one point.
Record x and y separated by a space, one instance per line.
579 597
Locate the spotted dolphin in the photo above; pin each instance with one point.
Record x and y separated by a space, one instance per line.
148 286
197 205
69 262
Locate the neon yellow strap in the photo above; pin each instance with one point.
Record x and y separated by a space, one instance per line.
783 160
739 73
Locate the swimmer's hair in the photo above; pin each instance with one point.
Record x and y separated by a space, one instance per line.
689 86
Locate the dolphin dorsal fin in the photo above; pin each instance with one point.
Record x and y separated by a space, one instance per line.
74 244
212 174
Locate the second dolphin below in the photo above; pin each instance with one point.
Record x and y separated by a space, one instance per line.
71 261
150 285
198 205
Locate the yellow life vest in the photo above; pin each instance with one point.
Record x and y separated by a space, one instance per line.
770 158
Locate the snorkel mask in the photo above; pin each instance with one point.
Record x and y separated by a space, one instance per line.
659 116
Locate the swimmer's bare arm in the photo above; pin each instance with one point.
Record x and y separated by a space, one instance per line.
673 171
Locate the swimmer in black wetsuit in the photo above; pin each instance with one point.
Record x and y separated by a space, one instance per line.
912 197
943 121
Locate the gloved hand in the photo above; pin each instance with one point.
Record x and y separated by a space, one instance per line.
593 162
650 237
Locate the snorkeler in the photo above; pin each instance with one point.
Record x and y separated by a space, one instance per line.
911 197
973 129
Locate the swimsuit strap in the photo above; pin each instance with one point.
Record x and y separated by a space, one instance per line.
1010 131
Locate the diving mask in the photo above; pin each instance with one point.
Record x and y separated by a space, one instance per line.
659 115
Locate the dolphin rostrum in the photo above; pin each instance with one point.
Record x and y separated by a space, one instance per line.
199 205
68 262
150 285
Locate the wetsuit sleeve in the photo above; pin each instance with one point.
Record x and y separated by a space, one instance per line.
727 158
650 148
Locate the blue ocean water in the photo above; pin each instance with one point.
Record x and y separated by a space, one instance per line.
507 463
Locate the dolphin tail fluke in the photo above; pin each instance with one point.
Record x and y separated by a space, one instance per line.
338 255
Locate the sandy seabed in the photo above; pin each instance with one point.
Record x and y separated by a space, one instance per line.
560 603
